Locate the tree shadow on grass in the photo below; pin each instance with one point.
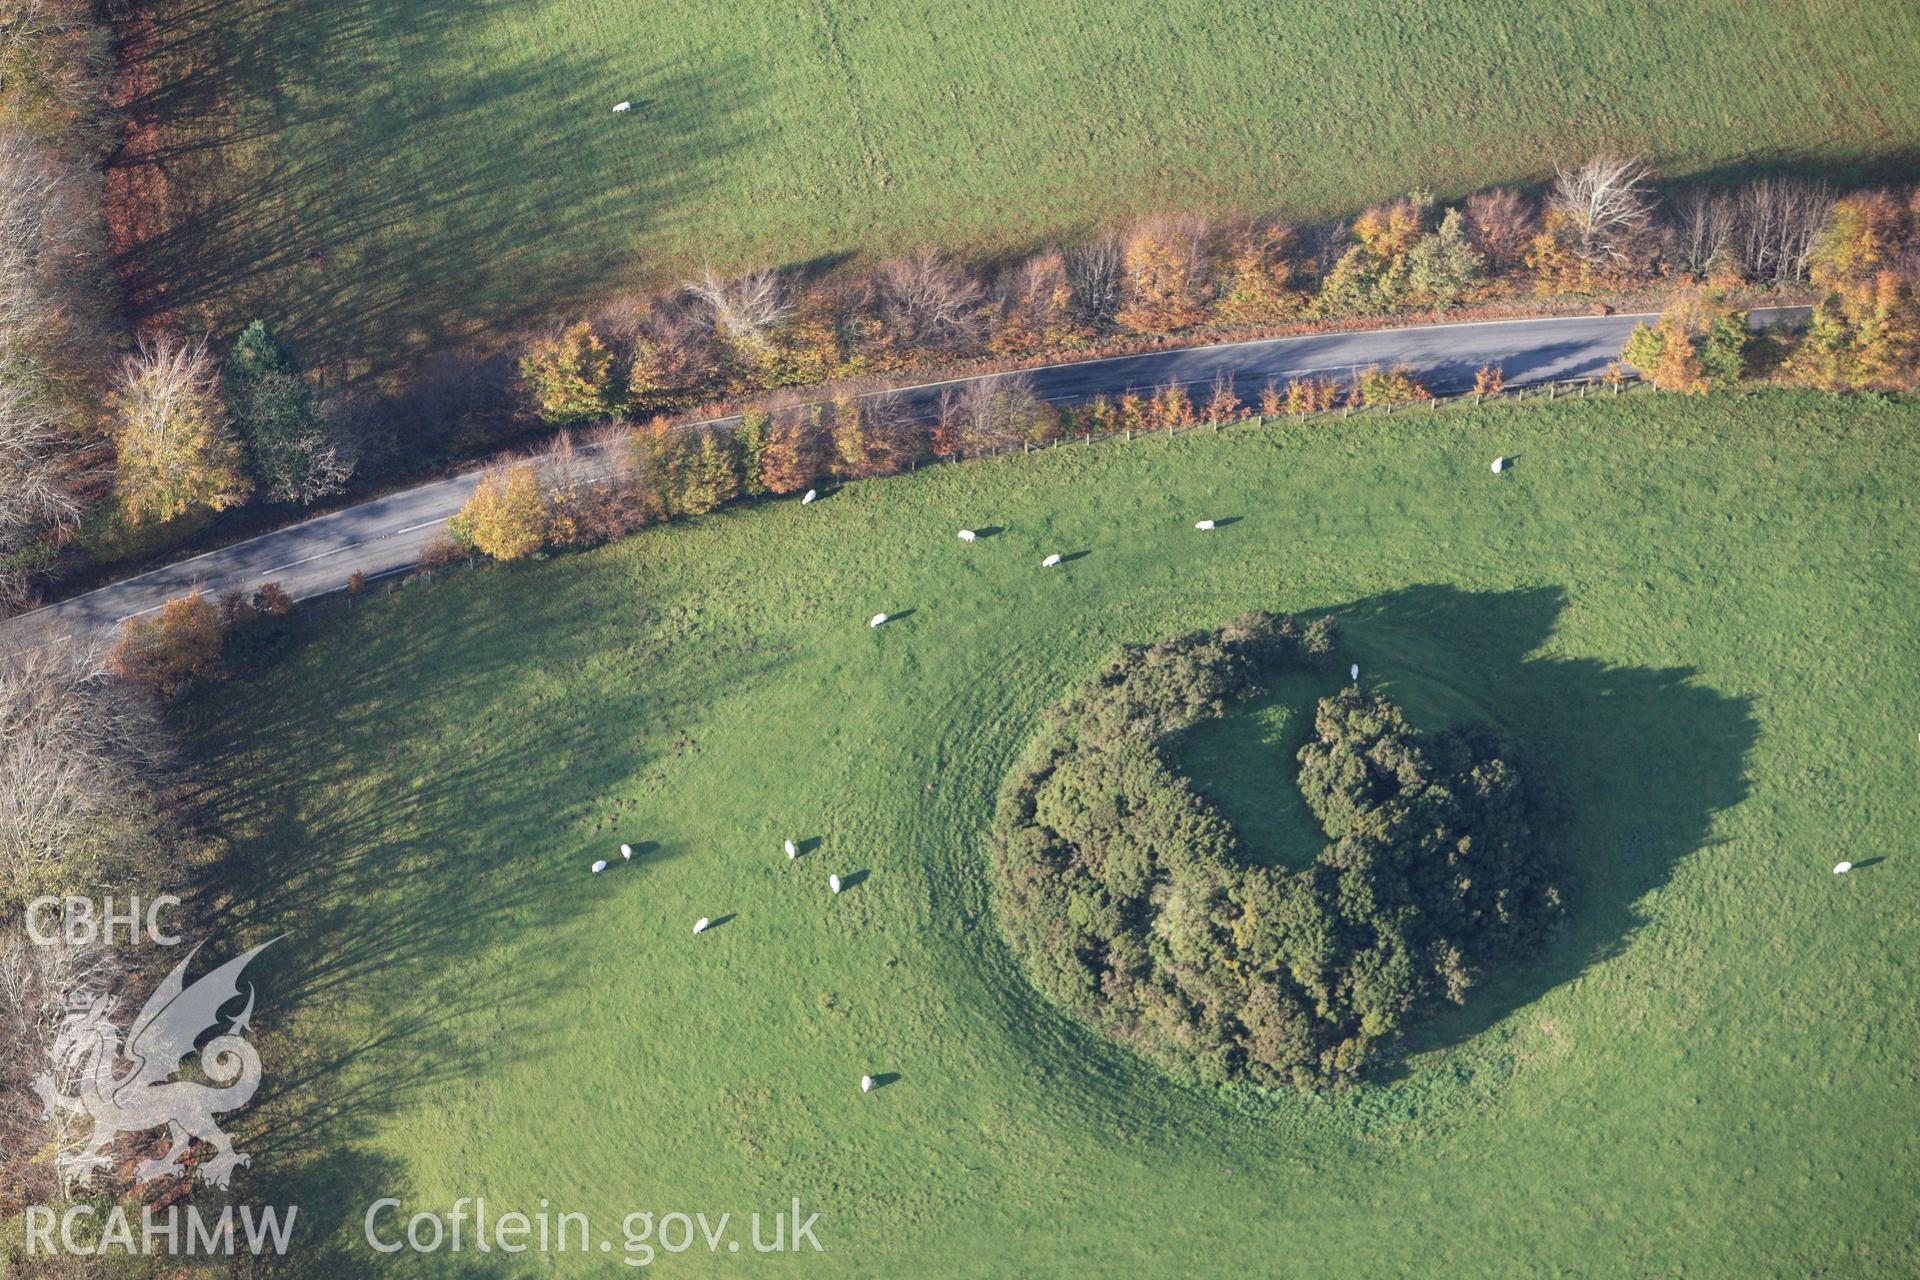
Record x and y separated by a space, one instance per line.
376 190
397 857
1643 758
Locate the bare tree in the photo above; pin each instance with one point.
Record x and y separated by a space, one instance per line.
1323 244
612 447
38 981
1703 228
1034 295
990 413
1096 281
34 500
895 434
49 255
741 311
589 488
76 752
1500 223
565 470
47 233
1605 203
32 445
926 301
1779 221
313 460
54 60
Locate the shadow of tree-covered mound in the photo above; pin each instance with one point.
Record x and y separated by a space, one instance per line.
1643 757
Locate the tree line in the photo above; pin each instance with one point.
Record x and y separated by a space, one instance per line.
1599 229
181 429
87 779
56 332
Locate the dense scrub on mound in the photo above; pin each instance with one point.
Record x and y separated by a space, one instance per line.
1131 900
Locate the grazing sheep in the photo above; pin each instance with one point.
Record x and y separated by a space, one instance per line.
626 852
700 925
1050 561
1355 673
968 535
599 866
833 883
876 619
622 106
866 1084
1841 868
811 495
1204 524
1499 465
793 850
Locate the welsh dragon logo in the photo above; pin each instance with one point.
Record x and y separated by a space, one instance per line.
143 1095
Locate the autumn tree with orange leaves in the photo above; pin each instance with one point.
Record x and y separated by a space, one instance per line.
1166 271
173 649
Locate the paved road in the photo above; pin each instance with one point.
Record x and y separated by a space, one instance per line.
386 535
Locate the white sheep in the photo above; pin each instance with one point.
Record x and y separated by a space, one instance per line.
866 1084
700 925
793 850
1499 465
811 495
968 535
833 883
626 852
1204 524
1050 561
599 866
876 619
622 106
1841 868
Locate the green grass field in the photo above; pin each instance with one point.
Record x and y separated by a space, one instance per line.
1697 616
384 179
